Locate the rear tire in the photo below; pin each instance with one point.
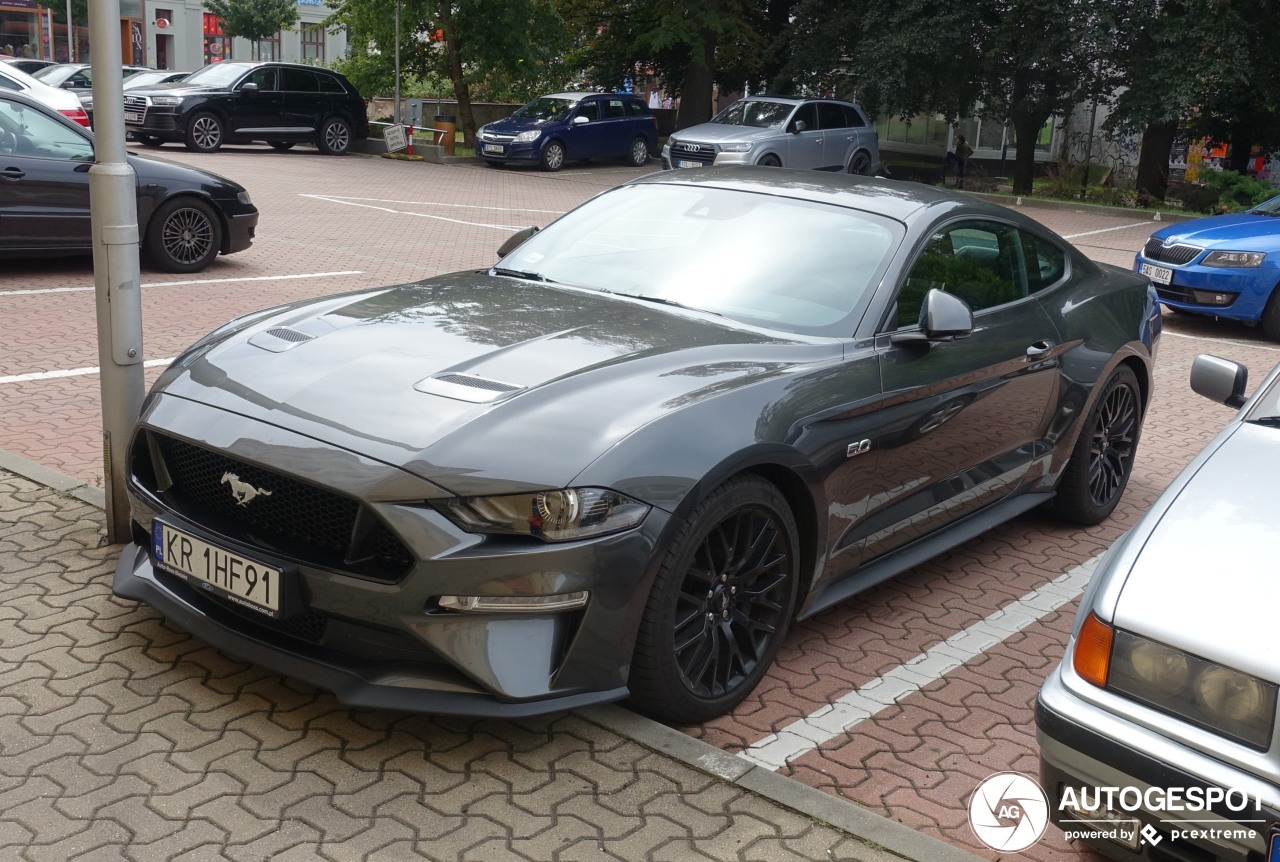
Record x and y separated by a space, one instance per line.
1102 460
860 164
720 605
150 141
335 137
280 146
639 154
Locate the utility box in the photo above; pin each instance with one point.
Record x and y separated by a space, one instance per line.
413 113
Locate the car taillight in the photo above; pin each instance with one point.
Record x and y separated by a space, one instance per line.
78 115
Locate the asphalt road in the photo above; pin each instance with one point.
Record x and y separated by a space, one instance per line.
902 699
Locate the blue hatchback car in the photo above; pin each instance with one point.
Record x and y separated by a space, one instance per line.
1223 266
562 126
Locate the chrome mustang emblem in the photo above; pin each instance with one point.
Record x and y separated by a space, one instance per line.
242 491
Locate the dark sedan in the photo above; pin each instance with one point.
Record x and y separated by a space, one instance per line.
186 216
621 461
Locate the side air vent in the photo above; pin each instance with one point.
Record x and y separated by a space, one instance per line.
280 338
466 387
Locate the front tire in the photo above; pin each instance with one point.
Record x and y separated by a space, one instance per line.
1102 460
205 133
1271 316
335 137
184 235
720 605
770 161
553 157
150 141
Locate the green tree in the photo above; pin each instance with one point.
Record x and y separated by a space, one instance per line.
505 49
254 19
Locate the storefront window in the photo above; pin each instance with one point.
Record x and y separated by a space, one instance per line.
269 49
217 45
20 30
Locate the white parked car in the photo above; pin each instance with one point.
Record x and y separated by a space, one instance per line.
64 102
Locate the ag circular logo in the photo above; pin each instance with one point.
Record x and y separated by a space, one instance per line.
1008 812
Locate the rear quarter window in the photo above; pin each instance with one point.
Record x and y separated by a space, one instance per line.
330 84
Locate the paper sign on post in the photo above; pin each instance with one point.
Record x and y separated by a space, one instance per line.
395 138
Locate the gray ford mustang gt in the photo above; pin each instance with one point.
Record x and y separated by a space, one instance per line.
621 461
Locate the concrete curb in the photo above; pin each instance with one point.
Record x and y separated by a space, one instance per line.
1019 201
788 793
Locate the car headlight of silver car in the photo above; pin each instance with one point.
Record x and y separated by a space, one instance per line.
526 137
1220 699
739 147
553 516
1235 258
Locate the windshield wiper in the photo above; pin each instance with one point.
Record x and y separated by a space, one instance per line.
520 273
1268 421
660 300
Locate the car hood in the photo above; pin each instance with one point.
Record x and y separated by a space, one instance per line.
151 170
1226 229
1204 579
515 125
406 375
715 133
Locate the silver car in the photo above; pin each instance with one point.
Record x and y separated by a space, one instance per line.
810 134
1157 731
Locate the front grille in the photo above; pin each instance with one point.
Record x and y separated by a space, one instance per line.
687 152
135 103
1174 254
281 514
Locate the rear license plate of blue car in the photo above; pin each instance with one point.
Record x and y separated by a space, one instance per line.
246 582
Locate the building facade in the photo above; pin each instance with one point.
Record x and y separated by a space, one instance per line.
166 34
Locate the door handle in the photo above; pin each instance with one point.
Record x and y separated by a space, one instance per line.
13 173
1040 349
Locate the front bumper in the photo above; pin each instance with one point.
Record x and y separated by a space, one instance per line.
512 151
1084 746
241 228
1246 289
383 642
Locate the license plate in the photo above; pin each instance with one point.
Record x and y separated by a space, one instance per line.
242 580
492 148
1158 274
132 117
682 163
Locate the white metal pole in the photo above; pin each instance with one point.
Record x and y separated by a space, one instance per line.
71 40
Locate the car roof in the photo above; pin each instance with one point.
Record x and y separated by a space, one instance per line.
576 97
899 200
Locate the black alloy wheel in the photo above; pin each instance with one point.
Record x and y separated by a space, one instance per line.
1102 460
860 164
184 235
720 606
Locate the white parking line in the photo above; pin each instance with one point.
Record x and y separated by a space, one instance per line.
1106 230
72 372
1252 345
373 204
838 718
192 281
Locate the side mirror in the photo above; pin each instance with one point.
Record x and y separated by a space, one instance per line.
943 317
1219 380
249 88
798 126
581 120
513 242
68 85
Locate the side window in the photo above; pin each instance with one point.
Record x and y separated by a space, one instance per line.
807 115
978 261
1046 262
298 81
330 84
589 108
265 78
8 83
25 131
614 109
853 117
831 116
635 109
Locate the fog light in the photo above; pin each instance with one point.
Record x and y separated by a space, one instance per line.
1210 297
514 604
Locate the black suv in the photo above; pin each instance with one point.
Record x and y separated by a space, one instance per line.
235 103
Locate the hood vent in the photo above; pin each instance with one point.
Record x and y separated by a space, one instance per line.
280 338
466 387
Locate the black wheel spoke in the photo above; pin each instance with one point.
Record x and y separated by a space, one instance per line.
1112 445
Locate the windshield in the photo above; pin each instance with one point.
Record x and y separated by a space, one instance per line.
1271 207
55 75
546 108
753 112
217 75
764 260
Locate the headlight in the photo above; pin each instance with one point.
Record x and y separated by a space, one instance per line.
737 148
166 100
526 137
1220 699
553 516
1235 258
243 197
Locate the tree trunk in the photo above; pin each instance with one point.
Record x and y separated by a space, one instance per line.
699 78
461 92
1027 131
1241 144
1153 160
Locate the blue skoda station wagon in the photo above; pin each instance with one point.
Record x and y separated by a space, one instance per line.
562 126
